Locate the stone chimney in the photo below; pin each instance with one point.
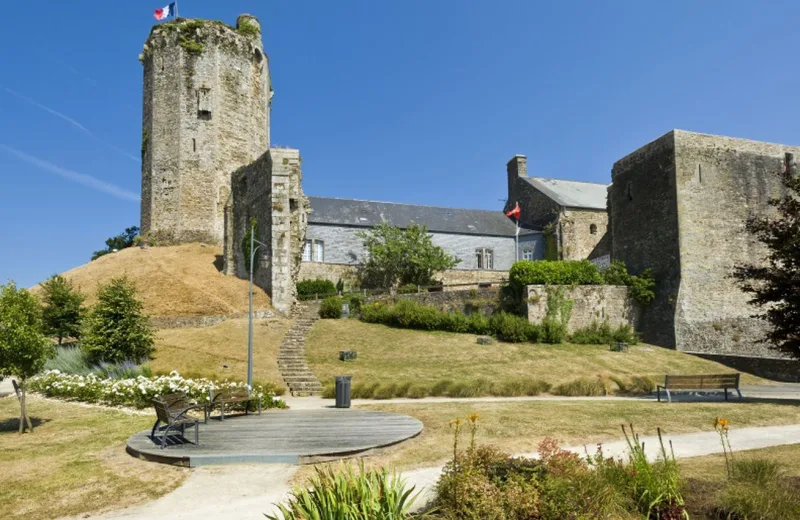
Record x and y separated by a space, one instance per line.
517 167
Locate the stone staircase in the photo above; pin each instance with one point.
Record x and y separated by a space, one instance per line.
292 354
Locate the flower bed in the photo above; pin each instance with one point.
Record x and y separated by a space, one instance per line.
136 392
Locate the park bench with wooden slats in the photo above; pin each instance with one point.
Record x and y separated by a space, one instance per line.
229 396
700 382
172 410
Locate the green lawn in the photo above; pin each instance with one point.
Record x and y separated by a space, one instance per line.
389 355
74 462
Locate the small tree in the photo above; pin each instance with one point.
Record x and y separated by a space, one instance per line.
775 284
23 346
116 329
63 308
401 257
123 240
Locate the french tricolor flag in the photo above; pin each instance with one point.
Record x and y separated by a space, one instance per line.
165 12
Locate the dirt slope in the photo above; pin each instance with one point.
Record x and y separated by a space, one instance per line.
172 281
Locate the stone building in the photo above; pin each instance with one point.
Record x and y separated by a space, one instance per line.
483 241
208 172
678 205
572 214
205 115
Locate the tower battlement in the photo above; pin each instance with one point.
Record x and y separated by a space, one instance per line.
205 115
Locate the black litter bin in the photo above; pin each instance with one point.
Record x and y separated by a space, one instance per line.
343 391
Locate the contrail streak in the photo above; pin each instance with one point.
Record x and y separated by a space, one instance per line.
79 178
72 122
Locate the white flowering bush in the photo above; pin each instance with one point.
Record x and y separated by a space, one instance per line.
136 392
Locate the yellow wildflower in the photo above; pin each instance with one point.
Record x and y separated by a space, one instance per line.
473 418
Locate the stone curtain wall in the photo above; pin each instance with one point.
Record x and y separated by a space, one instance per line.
577 241
205 115
644 228
343 246
721 182
349 274
591 303
484 301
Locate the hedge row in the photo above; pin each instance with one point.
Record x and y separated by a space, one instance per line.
309 289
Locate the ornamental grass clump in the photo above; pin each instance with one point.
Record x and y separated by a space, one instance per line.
347 494
136 392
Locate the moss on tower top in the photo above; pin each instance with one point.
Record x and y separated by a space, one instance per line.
194 34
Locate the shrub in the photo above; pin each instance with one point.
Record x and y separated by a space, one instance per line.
408 288
559 272
331 308
642 287
417 391
441 387
355 301
602 334
364 391
758 491
385 391
635 385
311 289
347 495
583 386
515 329
329 391
116 328
63 309
136 392
522 387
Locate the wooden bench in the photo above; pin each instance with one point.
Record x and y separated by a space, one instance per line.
172 410
700 382
229 396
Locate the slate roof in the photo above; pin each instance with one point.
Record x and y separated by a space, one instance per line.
368 213
572 194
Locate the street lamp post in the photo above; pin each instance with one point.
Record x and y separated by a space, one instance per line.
253 249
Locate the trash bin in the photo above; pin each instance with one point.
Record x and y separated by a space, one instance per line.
343 391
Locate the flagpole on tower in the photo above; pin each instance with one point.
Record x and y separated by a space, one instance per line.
516 241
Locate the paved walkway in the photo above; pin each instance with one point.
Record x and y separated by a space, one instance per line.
247 492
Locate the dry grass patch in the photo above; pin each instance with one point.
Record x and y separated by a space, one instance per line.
74 462
180 280
389 355
205 351
519 427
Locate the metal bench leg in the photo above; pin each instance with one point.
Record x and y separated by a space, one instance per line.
669 396
197 433
726 394
658 393
153 431
740 393
222 412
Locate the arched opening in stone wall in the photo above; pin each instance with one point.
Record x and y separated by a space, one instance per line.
593 229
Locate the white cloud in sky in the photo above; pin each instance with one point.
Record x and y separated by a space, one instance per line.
79 178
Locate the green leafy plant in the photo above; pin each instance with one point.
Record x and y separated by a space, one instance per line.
248 29
603 334
116 328
347 494
63 308
313 289
582 386
117 243
561 272
23 346
70 360
331 308
398 257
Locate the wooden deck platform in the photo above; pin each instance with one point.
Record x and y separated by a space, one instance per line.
280 436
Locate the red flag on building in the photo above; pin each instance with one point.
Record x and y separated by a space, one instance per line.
514 212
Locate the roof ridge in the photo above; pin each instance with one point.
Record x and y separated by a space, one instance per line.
406 204
569 180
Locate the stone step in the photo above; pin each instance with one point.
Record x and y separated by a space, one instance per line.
300 375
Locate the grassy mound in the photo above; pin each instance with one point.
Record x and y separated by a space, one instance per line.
180 280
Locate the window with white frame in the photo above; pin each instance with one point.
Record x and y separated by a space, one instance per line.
484 258
314 251
527 254
319 251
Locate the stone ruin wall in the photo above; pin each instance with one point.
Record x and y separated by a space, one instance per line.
590 303
205 114
577 241
269 191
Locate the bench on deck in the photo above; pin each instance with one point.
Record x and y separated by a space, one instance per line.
229 396
700 382
172 410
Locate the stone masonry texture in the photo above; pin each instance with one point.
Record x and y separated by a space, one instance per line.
205 114
679 206
591 303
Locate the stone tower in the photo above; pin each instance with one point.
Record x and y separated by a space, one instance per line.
205 115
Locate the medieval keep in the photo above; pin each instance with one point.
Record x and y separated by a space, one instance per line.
678 205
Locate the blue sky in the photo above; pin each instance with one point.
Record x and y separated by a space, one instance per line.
418 101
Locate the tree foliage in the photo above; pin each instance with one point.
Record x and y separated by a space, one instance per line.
63 308
400 257
119 242
23 346
774 285
116 329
